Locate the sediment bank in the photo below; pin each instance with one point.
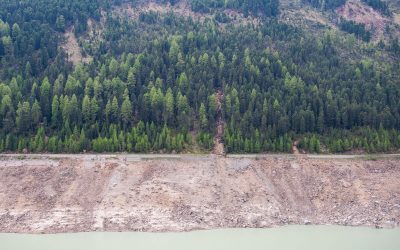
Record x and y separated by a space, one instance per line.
76 193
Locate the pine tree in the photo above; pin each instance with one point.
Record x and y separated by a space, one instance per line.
75 110
60 23
203 117
39 144
23 119
94 108
212 108
183 111
55 112
108 111
58 87
66 108
113 67
169 107
72 86
36 113
132 78
126 109
45 94
86 110
114 110
7 114
264 119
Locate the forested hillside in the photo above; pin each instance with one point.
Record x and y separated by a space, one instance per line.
258 7
163 82
326 4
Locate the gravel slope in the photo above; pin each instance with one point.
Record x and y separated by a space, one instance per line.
74 193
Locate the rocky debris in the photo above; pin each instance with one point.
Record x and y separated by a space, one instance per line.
100 193
359 12
73 49
219 148
181 9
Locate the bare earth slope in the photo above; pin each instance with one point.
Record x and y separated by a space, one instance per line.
51 194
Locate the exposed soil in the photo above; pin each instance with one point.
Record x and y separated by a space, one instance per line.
295 149
72 48
181 8
397 18
219 133
302 16
358 12
95 29
53 194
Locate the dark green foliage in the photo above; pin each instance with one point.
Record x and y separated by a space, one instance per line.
356 28
364 139
379 5
326 4
221 17
153 82
395 47
32 32
205 140
207 5
310 144
256 142
255 7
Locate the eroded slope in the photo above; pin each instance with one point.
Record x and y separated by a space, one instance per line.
127 193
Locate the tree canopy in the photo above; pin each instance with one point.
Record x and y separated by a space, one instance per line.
153 82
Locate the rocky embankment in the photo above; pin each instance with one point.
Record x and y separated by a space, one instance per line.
53 194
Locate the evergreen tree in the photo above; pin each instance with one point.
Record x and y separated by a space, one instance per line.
126 109
36 113
203 117
23 119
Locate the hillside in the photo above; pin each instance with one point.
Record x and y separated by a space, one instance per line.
159 193
199 76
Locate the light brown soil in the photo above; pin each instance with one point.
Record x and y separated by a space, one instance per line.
305 17
181 8
358 12
72 48
219 148
295 149
95 30
53 194
397 18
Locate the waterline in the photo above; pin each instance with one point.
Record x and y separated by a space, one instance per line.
283 238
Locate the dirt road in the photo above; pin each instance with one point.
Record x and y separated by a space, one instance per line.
158 193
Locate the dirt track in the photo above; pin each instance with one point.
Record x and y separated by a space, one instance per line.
49 194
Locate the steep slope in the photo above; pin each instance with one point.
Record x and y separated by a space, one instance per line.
127 193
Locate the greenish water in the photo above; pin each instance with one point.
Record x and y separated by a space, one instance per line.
291 237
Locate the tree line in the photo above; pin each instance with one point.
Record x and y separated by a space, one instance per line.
379 5
326 4
358 29
266 8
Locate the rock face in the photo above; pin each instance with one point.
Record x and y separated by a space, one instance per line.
52 194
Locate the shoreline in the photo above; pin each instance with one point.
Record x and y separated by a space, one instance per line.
371 227
165 193
152 156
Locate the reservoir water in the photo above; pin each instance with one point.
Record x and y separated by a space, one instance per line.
283 238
